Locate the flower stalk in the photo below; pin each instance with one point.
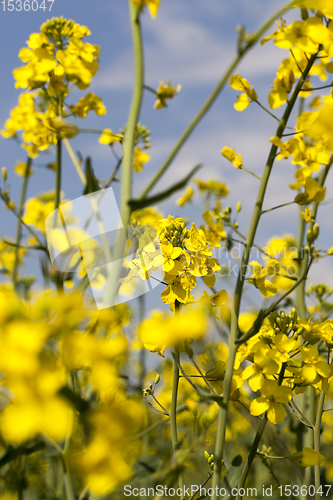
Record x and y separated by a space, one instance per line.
19 224
223 410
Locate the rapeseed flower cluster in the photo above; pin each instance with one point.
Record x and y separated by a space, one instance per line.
51 359
283 364
76 383
54 58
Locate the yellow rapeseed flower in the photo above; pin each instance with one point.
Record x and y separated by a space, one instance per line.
139 158
273 396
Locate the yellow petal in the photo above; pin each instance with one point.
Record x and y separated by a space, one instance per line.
276 413
259 406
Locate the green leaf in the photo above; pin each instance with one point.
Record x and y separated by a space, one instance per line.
146 202
13 453
208 395
92 182
254 328
233 475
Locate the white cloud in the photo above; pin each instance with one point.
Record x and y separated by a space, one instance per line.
187 51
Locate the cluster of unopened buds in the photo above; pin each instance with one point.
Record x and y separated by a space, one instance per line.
210 459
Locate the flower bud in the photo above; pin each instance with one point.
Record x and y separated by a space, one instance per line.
206 455
239 206
157 379
4 173
315 231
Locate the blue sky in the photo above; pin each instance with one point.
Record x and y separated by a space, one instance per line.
191 42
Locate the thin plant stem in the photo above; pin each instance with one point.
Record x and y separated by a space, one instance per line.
58 176
93 201
113 175
301 291
252 454
201 486
267 111
318 88
31 231
247 335
128 147
75 162
278 206
310 403
159 404
203 376
10 243
19 225
223 410
255 444
173 412
211 99
316 440
250 172
134 112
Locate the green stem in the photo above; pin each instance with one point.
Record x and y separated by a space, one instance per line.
129 140
316 441
267 111
250 172
317 435
173 412
252 454
211 99
19 225
278 206
75 162
318 88
70 494
309 436
58 282
301 292
58 176
31 231
223 410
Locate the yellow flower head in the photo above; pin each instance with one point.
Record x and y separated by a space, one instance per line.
163 330
307 457
186 197
273 397
232 156
307 215
237 82
165 91
152 5
218 189
21 169
109 137
139 158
